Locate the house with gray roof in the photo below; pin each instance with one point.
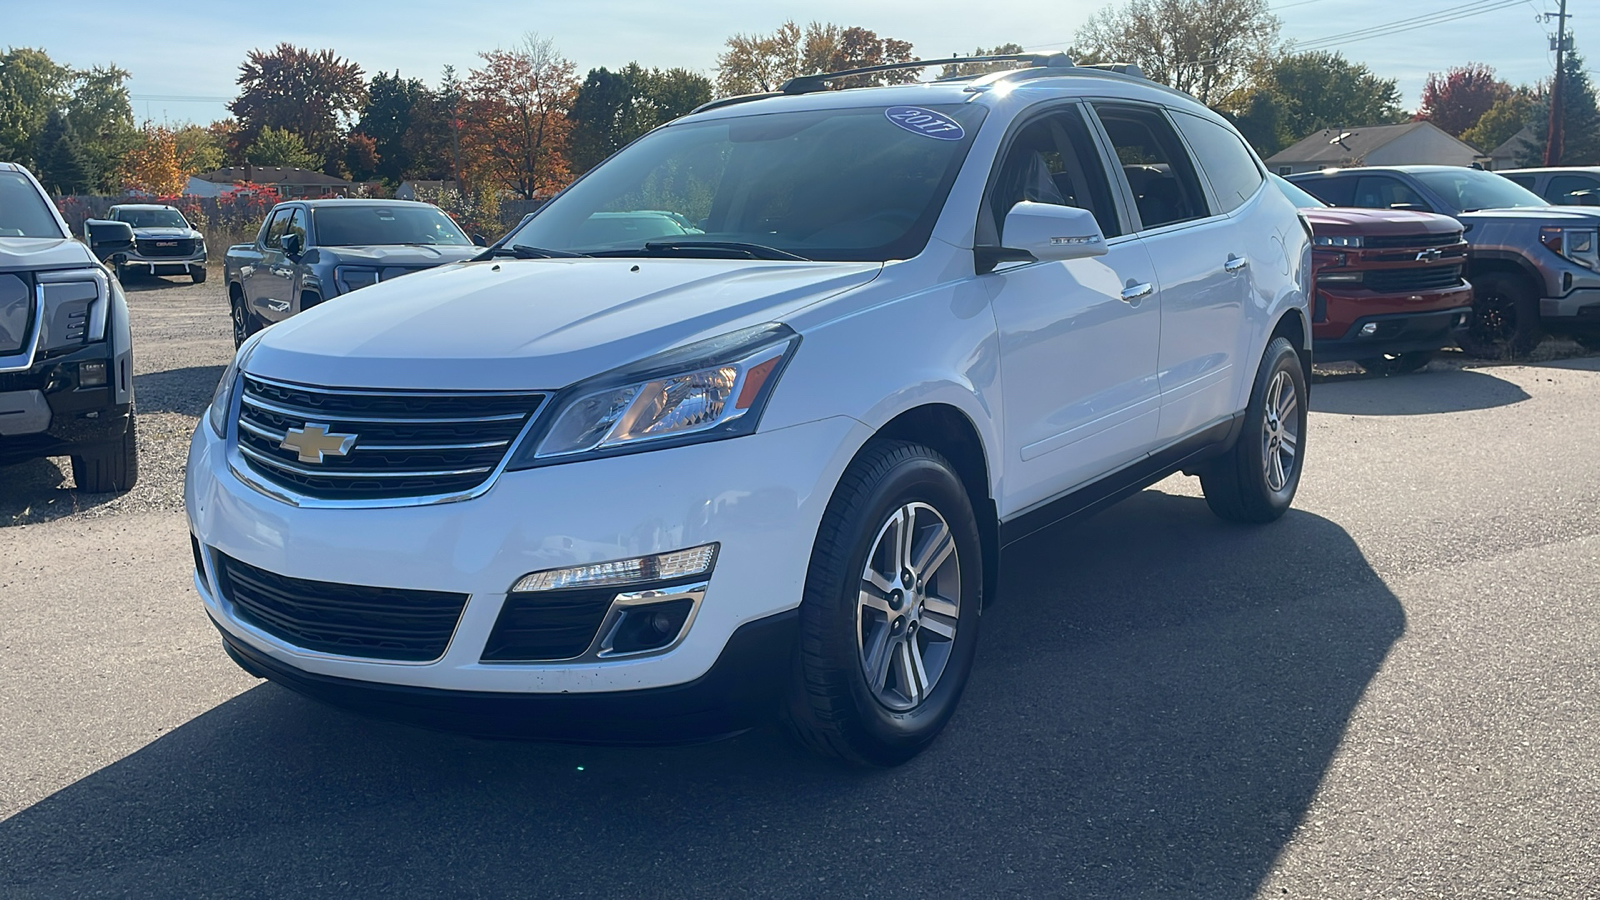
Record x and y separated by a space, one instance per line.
1414 143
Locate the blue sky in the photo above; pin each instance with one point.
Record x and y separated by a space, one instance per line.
184 55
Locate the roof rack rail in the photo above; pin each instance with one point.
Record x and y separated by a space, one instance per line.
806 84
730 101
1131 70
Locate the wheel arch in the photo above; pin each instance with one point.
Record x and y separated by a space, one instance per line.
1293 326
1490 262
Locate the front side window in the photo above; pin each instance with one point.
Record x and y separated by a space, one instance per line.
365 225
1158 169
1051 160
150 218
830 184
23 211
296 226
273 233
1224 159
1383 192
1573 190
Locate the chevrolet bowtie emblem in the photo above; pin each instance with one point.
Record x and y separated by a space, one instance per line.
1429 255
314 442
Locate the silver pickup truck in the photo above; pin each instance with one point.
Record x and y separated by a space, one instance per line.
309 251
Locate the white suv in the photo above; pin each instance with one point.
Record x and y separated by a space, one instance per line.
742 421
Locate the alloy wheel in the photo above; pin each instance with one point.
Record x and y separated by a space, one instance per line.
910 602
1280 431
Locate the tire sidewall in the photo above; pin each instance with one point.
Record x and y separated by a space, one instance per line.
1280 357
1524 305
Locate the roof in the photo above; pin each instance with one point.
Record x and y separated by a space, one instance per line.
1522 140
1368 170
1337 145
357 201
143 206
272 175
1589 170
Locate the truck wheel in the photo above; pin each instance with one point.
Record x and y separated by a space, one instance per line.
1505 317
1397 363
241 321
889 617
1257 479
1590 342
109 467
197 274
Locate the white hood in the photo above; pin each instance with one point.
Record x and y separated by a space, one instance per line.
535 324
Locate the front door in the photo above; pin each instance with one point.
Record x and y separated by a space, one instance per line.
1078 339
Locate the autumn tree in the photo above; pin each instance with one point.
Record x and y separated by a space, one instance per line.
1303 93
514 127
1455 100
200 148
152 166
361 156
756 63
1501 122
1207 48
614 108
311 93
281 147
962 70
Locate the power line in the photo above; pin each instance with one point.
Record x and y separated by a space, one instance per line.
171 98
1401 26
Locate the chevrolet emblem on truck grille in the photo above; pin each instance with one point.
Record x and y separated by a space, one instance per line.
314 442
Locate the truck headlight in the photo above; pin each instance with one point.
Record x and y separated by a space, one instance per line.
1578 245
76 305
352 278
705 391
1337 240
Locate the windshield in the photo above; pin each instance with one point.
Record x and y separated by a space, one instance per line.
1473 189
1297 195
361 226
150 218
23 212
833 184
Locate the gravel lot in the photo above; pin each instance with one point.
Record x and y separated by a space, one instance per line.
1393 692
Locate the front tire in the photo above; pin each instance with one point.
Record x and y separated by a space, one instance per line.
1505 318
889 617
1257 479
241 321
110 467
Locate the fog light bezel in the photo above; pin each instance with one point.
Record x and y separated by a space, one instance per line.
85 380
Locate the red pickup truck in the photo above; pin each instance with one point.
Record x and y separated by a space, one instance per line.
1389 287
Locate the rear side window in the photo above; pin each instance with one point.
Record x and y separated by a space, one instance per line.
1382 192
1224 159
1524 180
1573 190
1159 172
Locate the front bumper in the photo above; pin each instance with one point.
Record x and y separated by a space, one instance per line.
161 265
1578 310
45 411
1400 323
761 497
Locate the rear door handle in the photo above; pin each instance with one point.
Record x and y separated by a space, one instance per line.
1137 292
1235 265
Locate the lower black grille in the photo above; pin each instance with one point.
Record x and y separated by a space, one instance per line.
1413 240
545 625
166 246
349 620
1425 278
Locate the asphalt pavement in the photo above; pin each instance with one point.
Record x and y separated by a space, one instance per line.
1389 693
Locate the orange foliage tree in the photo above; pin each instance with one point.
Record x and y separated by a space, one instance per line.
514 125
152 167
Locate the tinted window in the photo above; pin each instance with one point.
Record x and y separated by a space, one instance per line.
1157 168
1224 159
1524 180
1051 160
364 225
150 218
275 227
297 225
23 212
1332 191
842 184
1383 192
1573 190
1297 196
1474 189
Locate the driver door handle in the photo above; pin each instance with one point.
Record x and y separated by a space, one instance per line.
1235 265
1137 292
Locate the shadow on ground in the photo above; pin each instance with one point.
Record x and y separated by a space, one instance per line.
1422 393
134 282
187 391
1156 699
39 490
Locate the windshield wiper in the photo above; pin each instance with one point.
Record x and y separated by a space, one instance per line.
735 249
523 251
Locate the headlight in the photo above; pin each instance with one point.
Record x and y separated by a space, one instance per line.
222 398
353 277
1576 244
705 391
1336 240
76 306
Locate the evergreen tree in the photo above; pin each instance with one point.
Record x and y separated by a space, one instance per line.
62 165
1580 144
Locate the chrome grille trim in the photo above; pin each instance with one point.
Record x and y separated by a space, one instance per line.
347 473
271 435
317 415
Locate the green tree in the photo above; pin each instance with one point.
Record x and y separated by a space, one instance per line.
754 63
310 93
60 162
389 117
1303 93
1207 48
1580 144
614 108
199 149
102 116
32 86
1502 121
281 147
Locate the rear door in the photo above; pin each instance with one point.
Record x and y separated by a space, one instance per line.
1573 190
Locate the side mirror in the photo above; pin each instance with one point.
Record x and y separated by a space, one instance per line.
479 240
290 243
107 236
1044 231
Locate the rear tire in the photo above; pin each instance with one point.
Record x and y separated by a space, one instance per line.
1505 318
889 617
110 467
1398 363
1257 479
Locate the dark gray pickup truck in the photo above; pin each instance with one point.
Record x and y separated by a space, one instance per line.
309 251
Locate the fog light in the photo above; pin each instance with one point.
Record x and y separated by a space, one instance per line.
639 570
92 374
648 628
1369 329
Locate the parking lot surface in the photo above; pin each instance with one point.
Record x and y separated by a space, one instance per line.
1392 692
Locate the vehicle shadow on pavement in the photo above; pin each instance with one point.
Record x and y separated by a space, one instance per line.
136 283
1157 697
1418 394
187 391
36 491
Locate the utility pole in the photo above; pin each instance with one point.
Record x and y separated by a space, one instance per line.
1554 138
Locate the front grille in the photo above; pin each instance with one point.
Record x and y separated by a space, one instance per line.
406 443
546 625
166 246
1421 278
344 619
1413 240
